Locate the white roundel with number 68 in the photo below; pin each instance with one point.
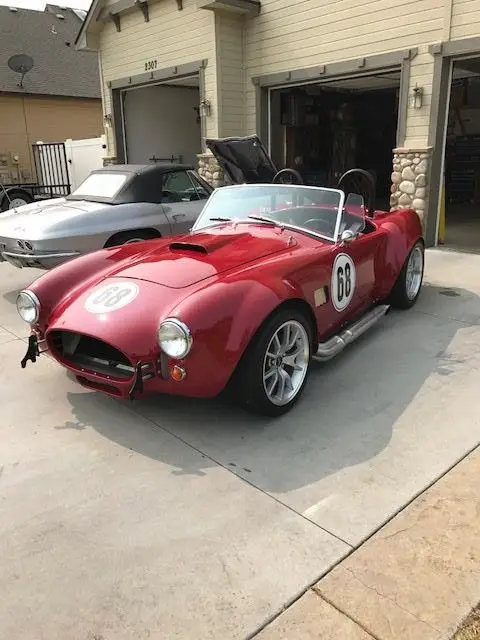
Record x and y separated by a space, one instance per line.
343 281
111 297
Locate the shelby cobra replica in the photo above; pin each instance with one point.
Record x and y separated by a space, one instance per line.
113 206
271 276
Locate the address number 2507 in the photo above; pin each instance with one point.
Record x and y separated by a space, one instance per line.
150 65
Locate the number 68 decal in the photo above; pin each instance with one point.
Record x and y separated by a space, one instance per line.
111 297
343 281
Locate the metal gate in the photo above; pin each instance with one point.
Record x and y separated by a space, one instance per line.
51 169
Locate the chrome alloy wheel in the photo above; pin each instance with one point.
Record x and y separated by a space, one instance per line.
286 362
413 280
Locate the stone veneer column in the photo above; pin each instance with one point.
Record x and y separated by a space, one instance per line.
409 188
210 170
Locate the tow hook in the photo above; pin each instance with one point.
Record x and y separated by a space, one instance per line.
32 351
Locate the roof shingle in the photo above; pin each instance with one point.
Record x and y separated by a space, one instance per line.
59 69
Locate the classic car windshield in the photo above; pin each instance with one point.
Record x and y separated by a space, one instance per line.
101 185
313 209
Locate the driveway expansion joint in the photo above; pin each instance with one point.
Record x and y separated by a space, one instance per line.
319 594
392 600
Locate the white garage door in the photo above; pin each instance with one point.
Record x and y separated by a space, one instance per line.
161 122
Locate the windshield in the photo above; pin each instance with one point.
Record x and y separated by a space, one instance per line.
313 209
101 185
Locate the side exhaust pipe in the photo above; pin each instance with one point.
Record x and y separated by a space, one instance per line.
332 347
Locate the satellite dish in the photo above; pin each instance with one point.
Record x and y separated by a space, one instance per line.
22 64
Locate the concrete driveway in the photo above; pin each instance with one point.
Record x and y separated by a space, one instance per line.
184 519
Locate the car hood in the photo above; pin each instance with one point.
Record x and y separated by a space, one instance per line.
31 219
191 258
244 160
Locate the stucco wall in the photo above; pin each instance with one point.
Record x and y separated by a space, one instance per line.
26 119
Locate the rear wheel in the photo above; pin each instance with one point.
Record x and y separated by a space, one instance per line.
409 283
128 237
16 198
273 372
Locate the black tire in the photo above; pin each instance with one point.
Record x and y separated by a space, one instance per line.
399 297
131 236
248 383
16 194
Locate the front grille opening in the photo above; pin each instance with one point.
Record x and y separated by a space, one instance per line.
90 354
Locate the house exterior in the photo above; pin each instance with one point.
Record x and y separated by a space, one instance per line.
59 96
237 53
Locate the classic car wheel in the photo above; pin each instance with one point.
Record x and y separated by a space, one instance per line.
16 198
274 369
127 237
409 283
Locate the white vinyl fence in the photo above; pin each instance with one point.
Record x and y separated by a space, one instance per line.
84 156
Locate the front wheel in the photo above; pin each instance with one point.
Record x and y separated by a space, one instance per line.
409 283
273 371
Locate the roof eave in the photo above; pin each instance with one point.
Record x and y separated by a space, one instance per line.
83 41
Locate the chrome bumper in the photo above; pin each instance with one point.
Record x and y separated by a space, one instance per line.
21 260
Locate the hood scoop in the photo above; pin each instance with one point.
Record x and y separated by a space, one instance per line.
208 243
188 246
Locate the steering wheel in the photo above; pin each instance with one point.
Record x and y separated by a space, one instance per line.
319 224
295 175
169 197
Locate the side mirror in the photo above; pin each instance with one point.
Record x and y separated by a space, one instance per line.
347 236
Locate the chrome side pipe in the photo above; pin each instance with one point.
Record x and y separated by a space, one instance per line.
333 346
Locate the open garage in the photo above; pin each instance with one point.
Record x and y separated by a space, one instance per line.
460 227
326 129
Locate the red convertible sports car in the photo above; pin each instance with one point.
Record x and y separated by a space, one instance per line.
271 276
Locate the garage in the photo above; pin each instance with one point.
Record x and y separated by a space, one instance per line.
460 220
161 122
325 129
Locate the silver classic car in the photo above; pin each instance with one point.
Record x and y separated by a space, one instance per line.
113 206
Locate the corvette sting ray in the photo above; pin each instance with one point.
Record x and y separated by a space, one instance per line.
115 205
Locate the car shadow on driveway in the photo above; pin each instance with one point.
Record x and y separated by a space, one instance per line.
345 418
11 296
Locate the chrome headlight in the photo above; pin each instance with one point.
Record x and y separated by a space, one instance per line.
28 306
174 338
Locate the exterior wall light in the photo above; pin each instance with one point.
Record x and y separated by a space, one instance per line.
107 119
205 109
416 99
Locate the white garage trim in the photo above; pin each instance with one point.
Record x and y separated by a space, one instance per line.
159 75
119 86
